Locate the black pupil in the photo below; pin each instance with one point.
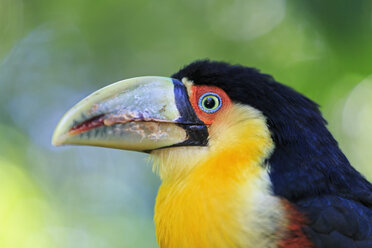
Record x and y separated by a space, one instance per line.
209 103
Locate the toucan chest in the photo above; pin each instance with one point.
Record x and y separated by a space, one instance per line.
209 213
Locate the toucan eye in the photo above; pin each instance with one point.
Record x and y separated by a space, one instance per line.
210 102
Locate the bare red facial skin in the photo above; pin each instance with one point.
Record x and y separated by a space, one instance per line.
197 92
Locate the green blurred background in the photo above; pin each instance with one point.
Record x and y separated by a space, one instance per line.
53 53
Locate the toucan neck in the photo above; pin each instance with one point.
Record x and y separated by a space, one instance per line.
219 193
310 156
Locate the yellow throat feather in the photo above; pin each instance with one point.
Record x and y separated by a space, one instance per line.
219 196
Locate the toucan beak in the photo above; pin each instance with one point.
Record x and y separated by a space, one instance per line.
140 114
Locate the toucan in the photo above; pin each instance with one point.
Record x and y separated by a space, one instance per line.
244 160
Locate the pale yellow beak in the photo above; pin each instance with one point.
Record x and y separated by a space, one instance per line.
140 114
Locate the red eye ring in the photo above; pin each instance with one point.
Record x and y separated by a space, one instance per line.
196 98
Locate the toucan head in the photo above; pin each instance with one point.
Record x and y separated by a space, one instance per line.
207 107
